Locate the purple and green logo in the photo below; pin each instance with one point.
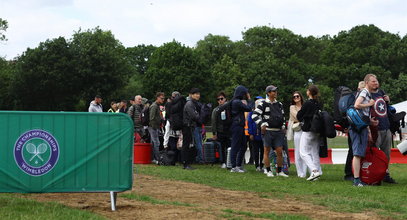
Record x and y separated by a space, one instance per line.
36 152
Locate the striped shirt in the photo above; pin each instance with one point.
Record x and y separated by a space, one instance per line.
261 114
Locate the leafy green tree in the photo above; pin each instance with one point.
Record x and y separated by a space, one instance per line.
66 75
45 78
213 48
396 88
100 63
226 76
138 57
175 67
352 51
3 28
271 56
6 76
282 42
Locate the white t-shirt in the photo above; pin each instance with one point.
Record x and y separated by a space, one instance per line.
366 99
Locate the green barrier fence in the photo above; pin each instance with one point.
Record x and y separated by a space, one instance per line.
65 152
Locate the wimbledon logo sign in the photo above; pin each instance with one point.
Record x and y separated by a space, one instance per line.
36 152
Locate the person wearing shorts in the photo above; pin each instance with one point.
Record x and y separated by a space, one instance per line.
360 138
269 115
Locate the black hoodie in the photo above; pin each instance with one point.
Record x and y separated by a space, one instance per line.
238 108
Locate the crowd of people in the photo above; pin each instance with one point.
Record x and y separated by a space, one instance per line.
259 124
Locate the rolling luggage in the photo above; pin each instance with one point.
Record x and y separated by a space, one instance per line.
209 149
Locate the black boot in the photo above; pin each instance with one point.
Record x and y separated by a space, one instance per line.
388 179
187 167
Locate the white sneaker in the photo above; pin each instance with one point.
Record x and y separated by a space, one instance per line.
223 166
236 170
282 174
258 169
241 170
270 174
264 170
314 175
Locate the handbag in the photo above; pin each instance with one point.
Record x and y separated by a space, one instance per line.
296 126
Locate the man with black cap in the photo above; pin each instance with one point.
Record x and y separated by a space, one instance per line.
269 115
190 120
96 105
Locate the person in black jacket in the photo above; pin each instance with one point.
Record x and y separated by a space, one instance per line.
239 105
309 143
221 127
191 119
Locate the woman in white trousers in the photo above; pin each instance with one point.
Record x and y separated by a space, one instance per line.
295 132
309 142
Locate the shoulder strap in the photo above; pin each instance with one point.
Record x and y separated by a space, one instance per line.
263 105
134 111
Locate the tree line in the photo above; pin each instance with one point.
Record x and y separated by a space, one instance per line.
65 74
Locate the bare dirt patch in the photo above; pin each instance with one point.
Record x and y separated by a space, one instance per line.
206 202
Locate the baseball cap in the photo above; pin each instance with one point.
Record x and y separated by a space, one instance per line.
194 90
271 88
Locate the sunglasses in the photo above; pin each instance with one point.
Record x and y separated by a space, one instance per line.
296 96
220 99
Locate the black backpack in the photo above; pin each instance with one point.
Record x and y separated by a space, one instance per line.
276 119
344 98
206 113
323 123
167 158
396 119
176 110
145 116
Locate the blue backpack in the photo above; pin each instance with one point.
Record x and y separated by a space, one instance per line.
356 118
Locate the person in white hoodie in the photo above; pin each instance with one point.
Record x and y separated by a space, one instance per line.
96 105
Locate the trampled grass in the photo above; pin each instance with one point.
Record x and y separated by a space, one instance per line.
13 207
233 214
152 200
331 190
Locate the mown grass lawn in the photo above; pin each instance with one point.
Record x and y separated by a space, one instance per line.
13 207
388 200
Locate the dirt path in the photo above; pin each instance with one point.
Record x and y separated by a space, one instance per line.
206 203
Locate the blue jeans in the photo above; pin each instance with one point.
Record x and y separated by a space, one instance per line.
198 143
155 142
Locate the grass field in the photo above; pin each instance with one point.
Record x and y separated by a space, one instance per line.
12 207
330 191
388 201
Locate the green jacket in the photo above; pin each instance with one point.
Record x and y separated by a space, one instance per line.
155 116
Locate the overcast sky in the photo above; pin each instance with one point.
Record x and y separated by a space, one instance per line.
135 22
